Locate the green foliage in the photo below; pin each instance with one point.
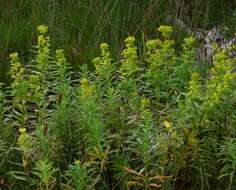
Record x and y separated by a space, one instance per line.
154 122
44 171
78 175
80 26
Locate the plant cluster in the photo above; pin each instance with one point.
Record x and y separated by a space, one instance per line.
153 123
80 26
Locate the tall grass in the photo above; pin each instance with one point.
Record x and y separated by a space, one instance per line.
80 26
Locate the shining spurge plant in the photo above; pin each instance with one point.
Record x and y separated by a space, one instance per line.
156 122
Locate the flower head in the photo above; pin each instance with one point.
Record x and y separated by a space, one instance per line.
166 31
42 29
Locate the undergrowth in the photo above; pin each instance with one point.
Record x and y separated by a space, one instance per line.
156 122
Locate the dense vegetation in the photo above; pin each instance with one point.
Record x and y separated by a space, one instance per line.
156 121
80 26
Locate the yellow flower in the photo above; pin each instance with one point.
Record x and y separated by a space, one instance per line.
145 103
17 70
166 31
77 162
22 130
129 61
42 29
14 57
153 44
60 56
167 125
189 41
130 41
104 46
84 82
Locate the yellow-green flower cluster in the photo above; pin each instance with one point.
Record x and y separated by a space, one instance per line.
60 57
168 52
166 31
87 90
194 86
77 162
43 40
17 70
152 45
42 29
103 63
34 83
129 61
23 139
145 103
221 61
154 55
221 83
43 44
25 143
189 51
161 52
105 51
